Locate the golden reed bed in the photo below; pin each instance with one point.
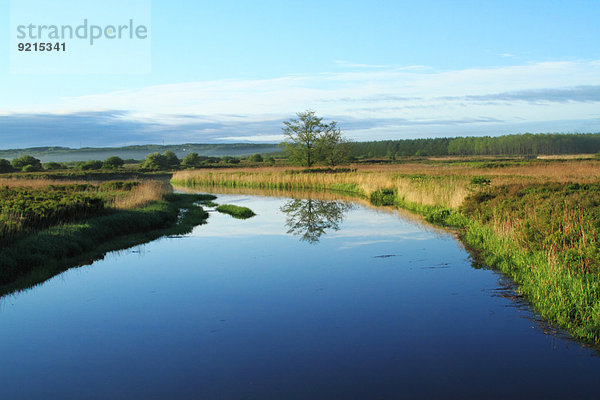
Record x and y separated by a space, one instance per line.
429 184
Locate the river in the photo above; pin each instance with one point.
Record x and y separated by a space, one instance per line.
313 298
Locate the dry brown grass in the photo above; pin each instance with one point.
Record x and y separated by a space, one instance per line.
442 184
566 156
37 183
141 195
581 171
447 192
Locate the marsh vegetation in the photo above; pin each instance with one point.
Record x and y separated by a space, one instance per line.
236 211
48 226
536 220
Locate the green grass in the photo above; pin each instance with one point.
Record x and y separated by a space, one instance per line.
565 298
24 209
45 253
98 175
560 220
236 211
554 268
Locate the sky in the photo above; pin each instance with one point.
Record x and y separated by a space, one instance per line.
233 71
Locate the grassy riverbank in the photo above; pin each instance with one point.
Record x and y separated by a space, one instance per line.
236 211
536 222
55 227
29 205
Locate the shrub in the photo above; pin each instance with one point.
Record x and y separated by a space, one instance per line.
255 158
91 165
113 162
480 181
231 160
21 162
29 168
192 160
171 159
155 161
383 197
165 161
5 166
53 166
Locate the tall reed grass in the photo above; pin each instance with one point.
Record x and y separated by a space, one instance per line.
430 190
141 195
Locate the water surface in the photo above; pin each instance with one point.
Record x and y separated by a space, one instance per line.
306 300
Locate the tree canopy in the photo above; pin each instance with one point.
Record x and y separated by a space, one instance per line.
333 148
29 162
191 160
255 158
113 162
171 159
165 161
5 166
309 140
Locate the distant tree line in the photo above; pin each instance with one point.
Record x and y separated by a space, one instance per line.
166 161
169 161
138 152
28 163
525 144
311 141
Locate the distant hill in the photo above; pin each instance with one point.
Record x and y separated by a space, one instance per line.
65 154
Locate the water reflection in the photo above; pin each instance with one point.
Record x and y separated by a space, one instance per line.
311 218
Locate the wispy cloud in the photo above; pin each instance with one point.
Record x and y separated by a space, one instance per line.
370 101
583 94
104 128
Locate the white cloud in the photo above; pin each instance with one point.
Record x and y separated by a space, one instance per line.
255 138
391 98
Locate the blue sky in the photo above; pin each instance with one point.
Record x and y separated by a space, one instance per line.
232 71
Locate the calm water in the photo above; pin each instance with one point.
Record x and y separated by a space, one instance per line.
306 300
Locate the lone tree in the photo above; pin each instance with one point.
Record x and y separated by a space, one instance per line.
309 140
301 137
333 148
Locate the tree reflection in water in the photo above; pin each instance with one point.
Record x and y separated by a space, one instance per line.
310 218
